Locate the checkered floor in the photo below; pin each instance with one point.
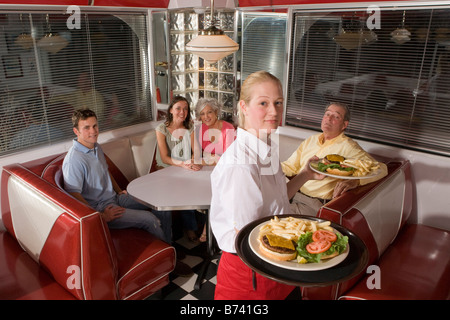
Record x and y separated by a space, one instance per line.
182 288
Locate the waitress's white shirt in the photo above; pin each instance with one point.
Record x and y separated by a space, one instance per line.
247 184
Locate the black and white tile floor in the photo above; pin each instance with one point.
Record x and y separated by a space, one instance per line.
182 288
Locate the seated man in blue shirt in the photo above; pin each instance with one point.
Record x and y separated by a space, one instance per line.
86 177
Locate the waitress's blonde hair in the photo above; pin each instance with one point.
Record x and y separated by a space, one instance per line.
247 86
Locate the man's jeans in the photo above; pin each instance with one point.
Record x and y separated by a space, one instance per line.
138 215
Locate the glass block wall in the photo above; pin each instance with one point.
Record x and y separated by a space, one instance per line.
191 76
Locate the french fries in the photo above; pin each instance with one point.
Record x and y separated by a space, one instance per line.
292 228
362 167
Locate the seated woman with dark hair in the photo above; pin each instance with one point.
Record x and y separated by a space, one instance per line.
174 149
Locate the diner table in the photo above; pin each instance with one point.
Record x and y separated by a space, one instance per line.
176 188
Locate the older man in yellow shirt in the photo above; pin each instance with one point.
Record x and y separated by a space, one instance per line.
314 193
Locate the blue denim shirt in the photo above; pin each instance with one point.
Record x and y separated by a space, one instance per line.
85 171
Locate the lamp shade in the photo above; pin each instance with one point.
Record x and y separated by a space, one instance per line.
212 45
400 35
52 43
25 41
351 40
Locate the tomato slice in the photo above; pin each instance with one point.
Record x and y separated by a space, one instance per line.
318 246
324 235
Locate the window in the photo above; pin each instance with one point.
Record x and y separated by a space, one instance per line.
396 78
263 43
191 76
49 69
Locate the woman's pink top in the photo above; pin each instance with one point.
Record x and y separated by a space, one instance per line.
215 141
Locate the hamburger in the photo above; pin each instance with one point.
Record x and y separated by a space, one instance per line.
277 247
333 164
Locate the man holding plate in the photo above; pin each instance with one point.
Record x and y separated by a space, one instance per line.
315 193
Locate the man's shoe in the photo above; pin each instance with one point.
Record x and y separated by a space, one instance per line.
182 269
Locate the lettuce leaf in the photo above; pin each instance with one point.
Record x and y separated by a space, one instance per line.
301 248
323 167
339 245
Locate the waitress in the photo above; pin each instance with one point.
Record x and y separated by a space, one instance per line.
248 184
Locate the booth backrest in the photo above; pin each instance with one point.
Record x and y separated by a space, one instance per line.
53 172
119 151
58 231
287 146
384 206
133 155
375 213
143 147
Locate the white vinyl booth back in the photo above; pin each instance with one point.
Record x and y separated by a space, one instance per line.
133 155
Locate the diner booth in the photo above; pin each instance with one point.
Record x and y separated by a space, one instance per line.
389 61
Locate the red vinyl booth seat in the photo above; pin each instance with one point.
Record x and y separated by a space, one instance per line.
413 260
415 267
22 278
68 250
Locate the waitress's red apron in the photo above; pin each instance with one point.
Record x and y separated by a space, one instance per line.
235 281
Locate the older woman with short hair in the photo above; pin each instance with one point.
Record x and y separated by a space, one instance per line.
213 136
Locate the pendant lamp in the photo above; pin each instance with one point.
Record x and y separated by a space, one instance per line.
352 39
212 44
52 42
24 40
401 35
353 35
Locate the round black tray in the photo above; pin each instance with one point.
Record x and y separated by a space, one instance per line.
353 264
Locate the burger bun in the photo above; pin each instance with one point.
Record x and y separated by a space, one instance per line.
338 172
329 256
277 255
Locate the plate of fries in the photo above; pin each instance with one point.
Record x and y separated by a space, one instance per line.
364 169
292 228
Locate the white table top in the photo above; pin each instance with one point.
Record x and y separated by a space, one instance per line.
174 188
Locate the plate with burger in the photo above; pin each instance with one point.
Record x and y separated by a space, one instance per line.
299 244
337 166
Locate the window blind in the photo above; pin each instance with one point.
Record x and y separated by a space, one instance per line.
263 43
396 78
49 70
